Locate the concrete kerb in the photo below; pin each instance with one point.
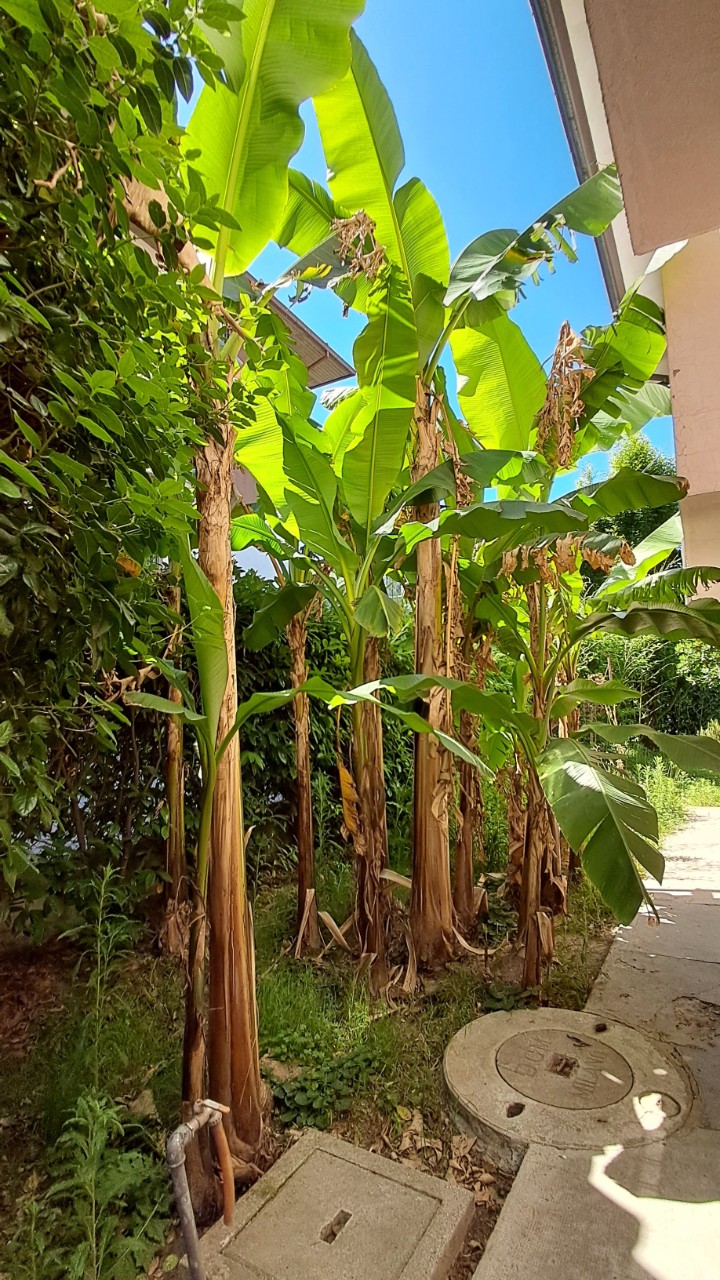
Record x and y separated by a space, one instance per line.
327 1210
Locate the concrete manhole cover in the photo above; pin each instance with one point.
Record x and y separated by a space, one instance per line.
563 1069
562 1079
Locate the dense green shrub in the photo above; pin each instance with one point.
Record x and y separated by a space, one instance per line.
103 404
678 683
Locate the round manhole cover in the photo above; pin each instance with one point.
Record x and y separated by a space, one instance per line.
564 1070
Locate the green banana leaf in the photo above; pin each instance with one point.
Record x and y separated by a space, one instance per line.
365 157
691 753
648 555
279 55
501 383
206 617
385 356
378 614
607 694
674 621
269 621
605 818
501 260
626 490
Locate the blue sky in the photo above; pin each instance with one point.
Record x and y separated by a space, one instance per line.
481 128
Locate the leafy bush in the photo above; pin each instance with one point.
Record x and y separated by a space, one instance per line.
678 683
323 1091
105 1208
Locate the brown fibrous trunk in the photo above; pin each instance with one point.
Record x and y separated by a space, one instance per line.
310 940
431 911
469 832
543 887
371 844
470 808
232 1036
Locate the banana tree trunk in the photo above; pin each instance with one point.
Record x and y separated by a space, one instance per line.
175 793
310 940
232 1038
543 889
540 871
515 778
431 912
371 838
469 828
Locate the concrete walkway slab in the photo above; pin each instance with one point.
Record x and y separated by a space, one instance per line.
646 1213
649 1212
330 1211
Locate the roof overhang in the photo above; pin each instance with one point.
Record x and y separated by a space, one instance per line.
565 37
323 364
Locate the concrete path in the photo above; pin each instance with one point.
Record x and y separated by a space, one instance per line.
651 1212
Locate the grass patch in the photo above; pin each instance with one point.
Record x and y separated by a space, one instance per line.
671 792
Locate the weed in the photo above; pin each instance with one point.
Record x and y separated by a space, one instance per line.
102 1214
670 791
320 1093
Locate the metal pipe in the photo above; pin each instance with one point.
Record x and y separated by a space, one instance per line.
175 1149
206 1112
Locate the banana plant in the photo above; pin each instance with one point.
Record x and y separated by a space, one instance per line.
532 596
465 305
330 528
241 136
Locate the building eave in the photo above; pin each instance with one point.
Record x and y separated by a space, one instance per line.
555 41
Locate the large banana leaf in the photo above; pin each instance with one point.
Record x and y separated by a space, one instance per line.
308 215
253 530
363 147
311 491
483 466
667 585
692 753
316 687
270 620
674 621
649 553
625 409
606 694
365 156
523 520
258 448
206 617
344 426
247 131
604 817
377 613
425 245
626 490
501 260
501 384
385 356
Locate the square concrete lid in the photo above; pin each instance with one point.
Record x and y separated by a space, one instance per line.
330 1211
